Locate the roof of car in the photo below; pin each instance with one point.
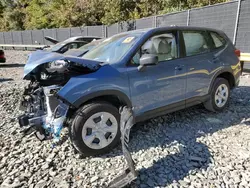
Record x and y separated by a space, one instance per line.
171 28
81 37
86 37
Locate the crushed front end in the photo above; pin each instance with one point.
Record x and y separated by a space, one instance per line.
44 112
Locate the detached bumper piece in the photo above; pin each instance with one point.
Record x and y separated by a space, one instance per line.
130 174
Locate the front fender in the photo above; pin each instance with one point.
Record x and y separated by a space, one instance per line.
106 81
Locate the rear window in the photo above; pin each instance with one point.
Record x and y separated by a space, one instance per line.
218 40
195 42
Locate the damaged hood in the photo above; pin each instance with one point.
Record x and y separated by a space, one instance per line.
40 57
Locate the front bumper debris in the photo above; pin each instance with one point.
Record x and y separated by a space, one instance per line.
44 114
54 124
47 115
130 174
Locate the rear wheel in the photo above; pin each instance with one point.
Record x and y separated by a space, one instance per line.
219 95
95 128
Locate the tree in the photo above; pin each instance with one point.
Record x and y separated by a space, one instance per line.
12 14
63 13
39 14
149 7
118 10
179 5
91 11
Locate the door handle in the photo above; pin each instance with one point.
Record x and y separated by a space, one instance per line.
179 67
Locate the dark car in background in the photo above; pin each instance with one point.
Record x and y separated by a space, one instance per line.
70 43
2 57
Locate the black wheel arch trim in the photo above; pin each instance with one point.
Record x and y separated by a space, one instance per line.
123 97
224 70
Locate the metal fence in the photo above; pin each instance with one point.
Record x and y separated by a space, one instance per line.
232 17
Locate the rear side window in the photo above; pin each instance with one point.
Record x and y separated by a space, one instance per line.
217 39
195 42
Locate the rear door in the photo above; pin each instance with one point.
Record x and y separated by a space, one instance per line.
201 62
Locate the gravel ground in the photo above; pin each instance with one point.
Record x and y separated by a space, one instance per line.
189 148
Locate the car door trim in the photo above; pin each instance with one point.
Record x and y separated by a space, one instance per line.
160 111
197 100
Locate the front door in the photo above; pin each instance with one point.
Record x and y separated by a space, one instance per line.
157 86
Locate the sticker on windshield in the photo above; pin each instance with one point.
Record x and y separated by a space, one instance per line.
128 40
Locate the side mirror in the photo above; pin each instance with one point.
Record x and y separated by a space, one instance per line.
147 60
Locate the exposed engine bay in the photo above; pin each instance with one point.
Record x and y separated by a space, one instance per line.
44 112
58 72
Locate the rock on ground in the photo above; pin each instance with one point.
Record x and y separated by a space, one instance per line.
188 148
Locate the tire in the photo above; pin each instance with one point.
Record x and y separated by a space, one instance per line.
213 104
86 130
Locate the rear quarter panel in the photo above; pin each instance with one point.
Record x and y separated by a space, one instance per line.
230 61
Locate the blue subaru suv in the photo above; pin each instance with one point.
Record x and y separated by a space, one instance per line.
151 71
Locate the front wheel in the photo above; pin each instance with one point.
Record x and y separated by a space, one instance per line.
95 128
219 95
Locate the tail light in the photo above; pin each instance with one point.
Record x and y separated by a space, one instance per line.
2 55
237 52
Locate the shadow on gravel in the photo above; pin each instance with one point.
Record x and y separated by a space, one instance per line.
180 130
14 65
5 79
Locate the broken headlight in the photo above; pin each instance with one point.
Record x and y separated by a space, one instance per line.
58 64
44 76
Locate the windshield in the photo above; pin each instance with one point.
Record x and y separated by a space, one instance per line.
56 47
113 49
90 45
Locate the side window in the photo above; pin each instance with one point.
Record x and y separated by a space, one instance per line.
73 46
64 48
80 44
217 39
164 46
195 42
136 59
